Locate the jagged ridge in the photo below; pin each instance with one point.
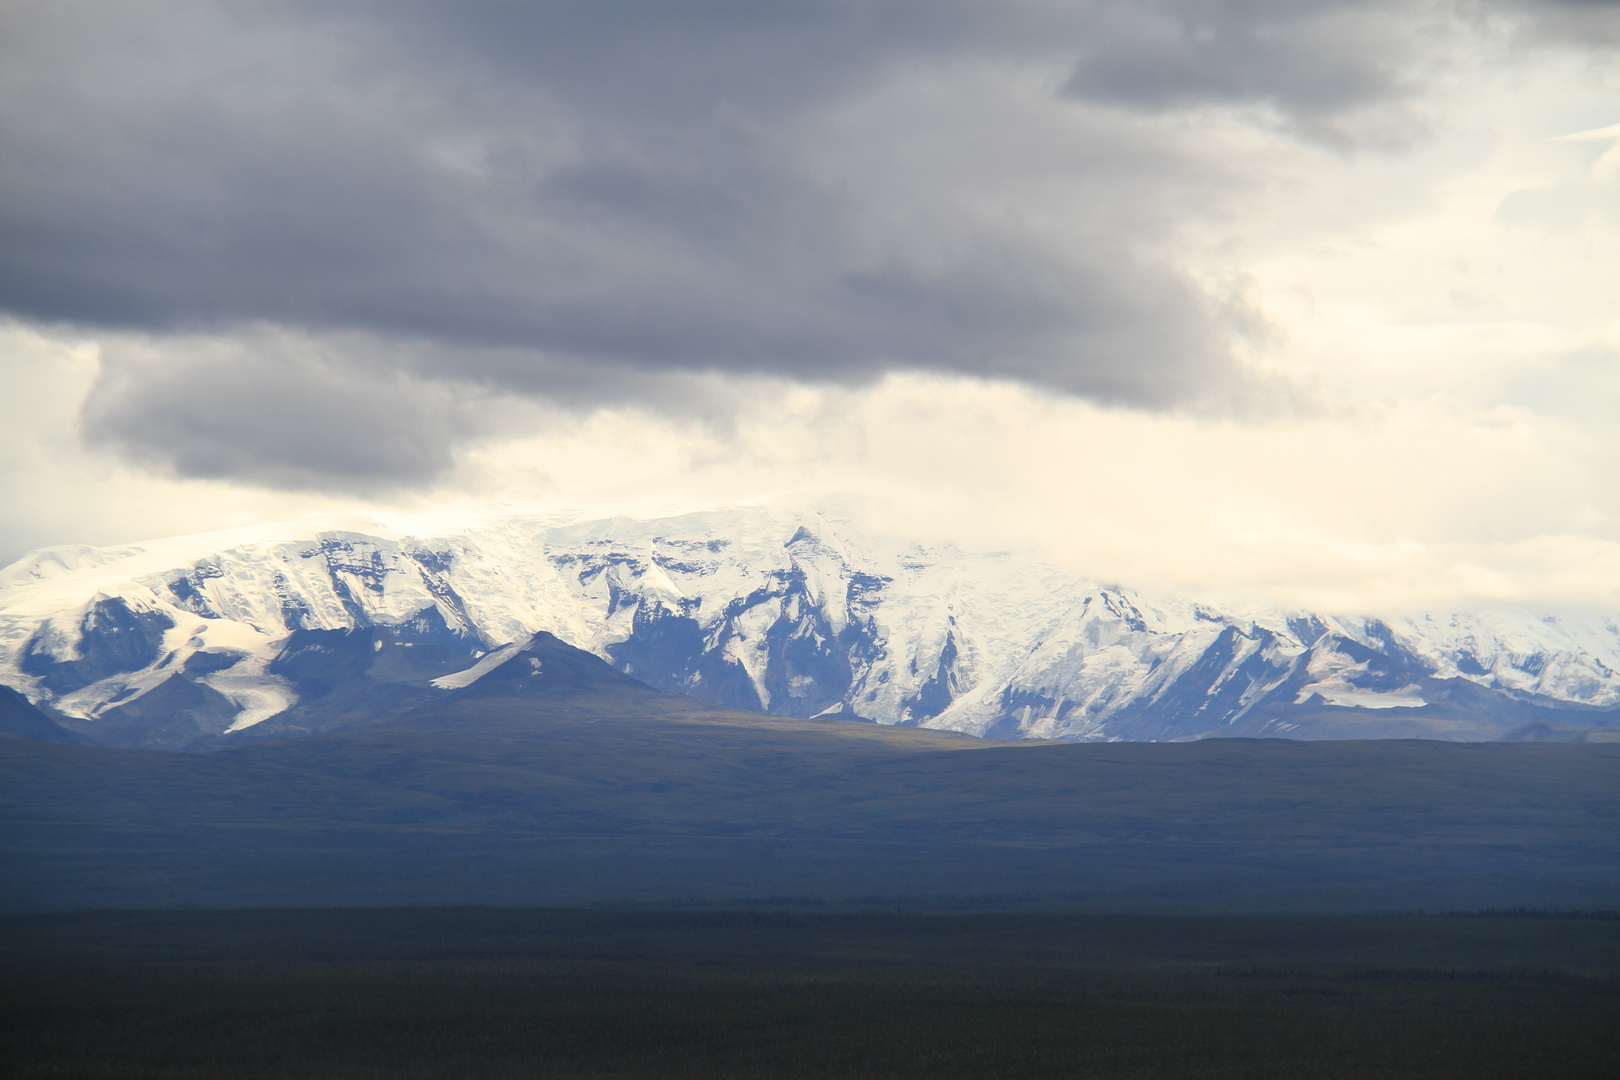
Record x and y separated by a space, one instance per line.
791 612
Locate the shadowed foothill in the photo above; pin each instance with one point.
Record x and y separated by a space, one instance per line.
554 779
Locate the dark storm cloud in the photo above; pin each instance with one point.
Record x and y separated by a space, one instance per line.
1585 23
605 184
1318 65
554 199
275 409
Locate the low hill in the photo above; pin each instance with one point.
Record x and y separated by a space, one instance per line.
21 720
553 788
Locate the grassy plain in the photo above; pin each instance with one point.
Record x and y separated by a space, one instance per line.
903 886
570 804
479 992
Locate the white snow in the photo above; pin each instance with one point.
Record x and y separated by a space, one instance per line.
488 663
1338 692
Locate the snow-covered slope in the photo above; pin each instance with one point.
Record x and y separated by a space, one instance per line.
790 611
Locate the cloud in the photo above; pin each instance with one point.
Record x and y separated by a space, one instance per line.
597 184
321 219
1585 24
275 409
1336 72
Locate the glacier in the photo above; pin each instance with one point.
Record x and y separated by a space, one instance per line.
792 611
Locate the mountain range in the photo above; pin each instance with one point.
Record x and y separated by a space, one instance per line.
212 640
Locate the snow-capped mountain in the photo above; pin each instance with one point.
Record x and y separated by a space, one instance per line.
793 612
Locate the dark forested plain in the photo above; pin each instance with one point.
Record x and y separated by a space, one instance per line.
644 798
497 993
594 879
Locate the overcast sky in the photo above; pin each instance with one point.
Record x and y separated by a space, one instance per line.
1301 303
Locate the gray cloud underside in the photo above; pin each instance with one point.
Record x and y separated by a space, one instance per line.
275 409
556 199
